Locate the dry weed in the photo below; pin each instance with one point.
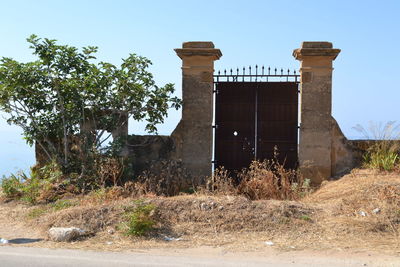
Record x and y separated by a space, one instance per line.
109 171
262 180
166 178
220 183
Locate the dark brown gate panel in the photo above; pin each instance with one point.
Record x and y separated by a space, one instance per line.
253 118
277 104
235 127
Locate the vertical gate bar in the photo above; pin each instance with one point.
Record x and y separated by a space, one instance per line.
214 137
256 124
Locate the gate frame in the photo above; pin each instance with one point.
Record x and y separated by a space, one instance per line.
264 75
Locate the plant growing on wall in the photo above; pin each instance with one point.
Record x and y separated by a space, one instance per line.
52 97
383 151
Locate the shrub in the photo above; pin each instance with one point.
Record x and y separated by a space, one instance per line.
140 221
383 151
12 186
378 157
43 184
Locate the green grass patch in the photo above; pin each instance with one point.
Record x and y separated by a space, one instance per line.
63 204
305 218
139 221
37 212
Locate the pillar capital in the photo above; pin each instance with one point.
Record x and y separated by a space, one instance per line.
203 49
316 49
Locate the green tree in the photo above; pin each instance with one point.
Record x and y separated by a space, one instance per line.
51 98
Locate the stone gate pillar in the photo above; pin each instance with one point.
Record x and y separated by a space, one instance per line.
315 108
193 135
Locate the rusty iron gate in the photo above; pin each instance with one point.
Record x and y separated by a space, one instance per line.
256 117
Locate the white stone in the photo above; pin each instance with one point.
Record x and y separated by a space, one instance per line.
377 210
269 243
61 234
363 213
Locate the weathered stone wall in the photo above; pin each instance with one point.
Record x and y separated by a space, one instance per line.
348 154
344 155
146 150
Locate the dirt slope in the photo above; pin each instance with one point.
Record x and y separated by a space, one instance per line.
360 211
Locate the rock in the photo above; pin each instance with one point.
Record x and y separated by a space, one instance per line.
204 206
213 205
3 241
60 234
269 243
363 213
376 211
111 231
167 238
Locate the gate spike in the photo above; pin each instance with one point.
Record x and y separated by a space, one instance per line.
219 72
288 71
281 71
262 70
294 72
231 71
269 70
256 71
224 71
275 71
244 70
237 71
250 72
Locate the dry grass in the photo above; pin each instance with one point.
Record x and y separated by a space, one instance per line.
360 208
328 218
165 178
262 180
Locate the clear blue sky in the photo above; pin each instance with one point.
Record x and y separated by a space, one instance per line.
366 76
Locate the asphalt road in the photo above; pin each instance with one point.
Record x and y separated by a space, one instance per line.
35 257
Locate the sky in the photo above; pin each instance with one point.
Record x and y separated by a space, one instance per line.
366 72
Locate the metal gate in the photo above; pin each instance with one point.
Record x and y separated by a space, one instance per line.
256 117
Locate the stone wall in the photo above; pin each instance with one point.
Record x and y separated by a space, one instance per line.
348 154
146 150
344 155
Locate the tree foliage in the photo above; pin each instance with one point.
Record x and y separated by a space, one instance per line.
51 98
